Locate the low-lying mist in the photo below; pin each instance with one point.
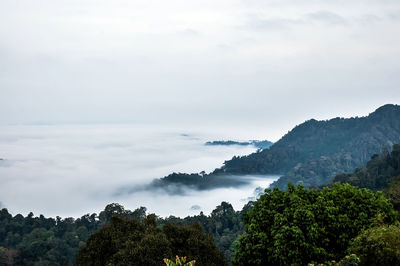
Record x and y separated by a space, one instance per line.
191 201
71 170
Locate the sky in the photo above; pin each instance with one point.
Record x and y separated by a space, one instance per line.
262 66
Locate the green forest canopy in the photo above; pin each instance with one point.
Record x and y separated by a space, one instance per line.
300 226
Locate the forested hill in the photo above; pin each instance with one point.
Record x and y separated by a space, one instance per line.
379 172
312 152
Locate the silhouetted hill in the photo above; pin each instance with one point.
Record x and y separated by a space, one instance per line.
260 144
176 183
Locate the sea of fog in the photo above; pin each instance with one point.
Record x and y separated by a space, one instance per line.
71 170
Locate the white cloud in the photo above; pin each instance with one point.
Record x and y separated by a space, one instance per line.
74 169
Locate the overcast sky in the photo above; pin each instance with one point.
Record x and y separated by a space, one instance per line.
233 63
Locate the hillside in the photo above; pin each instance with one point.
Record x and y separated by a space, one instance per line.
378 172
314 151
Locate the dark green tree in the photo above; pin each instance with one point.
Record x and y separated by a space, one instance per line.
191 241
299 226
126 241
392 192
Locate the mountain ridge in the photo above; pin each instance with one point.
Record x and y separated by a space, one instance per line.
314 151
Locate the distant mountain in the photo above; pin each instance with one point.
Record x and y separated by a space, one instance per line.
314 151
260 144
311 153
378 173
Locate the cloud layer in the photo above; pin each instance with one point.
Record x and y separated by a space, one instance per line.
71 170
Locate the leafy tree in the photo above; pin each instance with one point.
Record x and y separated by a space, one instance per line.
299 226
41 246
378 246
7 256
393 193
193 242
224 223
110 210
126 241
349 260
179 261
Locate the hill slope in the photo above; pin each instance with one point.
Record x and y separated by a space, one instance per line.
378 172
314 151
311 153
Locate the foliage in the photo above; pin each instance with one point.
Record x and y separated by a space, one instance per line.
7 256
298 226
378 246
179 261
126 241
224 223
392 192
43 240
378 172
349 260
47 241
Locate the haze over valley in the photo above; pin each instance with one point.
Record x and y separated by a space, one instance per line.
69 170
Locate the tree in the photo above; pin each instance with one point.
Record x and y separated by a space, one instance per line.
127 241
378 246
7 256
299 226
393 192
193 243
224 223
179 261
110 210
